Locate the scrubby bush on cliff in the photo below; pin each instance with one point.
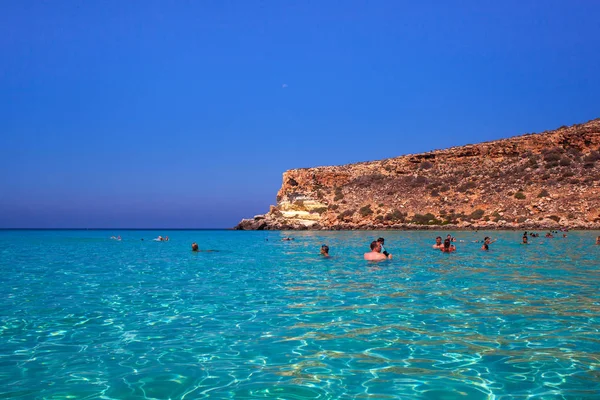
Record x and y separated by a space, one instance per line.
477 214
298 206
564 162
338 194
543 193
592 157
466 186
553 154
425 165
427 219
318 210
395 216
555 218
345 215
333 207
520 195
369 180
365 211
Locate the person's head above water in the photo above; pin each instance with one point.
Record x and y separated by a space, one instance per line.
447 243
438 240
381 240
375 246
325 250
194 246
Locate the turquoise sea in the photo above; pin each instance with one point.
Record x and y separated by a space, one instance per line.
86 317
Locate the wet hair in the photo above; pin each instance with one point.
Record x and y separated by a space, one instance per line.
447 243
325 248
439 237
374 244
486 238
194 246
381 240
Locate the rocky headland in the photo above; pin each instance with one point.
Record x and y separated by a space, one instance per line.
535 181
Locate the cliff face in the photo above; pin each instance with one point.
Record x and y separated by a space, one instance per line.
533 181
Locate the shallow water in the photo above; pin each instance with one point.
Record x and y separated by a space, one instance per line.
83 316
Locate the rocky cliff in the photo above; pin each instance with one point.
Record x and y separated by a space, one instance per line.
545 180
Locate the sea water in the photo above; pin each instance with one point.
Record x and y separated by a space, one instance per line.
86 316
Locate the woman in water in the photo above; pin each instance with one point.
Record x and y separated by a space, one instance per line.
448 248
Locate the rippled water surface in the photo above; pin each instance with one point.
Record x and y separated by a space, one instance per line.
83 316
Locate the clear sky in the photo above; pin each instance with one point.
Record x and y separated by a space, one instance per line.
185 114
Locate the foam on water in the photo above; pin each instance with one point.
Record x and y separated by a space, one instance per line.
83 316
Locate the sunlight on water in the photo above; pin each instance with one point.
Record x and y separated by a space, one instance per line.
84 316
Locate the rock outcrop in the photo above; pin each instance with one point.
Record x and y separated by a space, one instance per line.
535 181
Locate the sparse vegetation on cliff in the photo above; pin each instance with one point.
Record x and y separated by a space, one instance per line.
524 181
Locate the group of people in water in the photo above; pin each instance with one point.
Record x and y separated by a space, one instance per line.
378 251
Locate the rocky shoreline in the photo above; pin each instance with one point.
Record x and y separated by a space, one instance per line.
544 181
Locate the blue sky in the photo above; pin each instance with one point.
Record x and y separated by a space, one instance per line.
185 114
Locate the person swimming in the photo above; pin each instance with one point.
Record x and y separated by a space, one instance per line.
196 249
598 240
525 240
438 243
486 243
448 247
325 251
375 253
381 241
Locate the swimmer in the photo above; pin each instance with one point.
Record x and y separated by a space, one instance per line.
375 253
286 239
166 239
438 243
381 241
325 251
451 238
598 240
525 240
486 243
448 248
196 249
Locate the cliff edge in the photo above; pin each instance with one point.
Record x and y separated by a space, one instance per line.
534 181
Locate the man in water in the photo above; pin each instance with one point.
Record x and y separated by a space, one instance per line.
195 246
525 240
598 240
325 251
375 253
438 243
381 241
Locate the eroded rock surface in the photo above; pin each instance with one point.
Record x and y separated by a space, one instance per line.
535 181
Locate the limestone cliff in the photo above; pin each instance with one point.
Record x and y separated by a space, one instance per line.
543 180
